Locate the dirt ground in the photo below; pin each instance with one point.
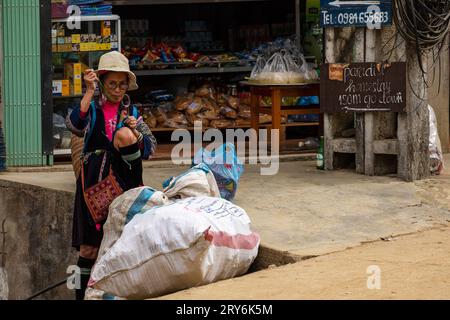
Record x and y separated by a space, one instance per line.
414 266
307 212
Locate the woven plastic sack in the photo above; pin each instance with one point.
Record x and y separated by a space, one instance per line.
435 148
190 242
197 181
226 167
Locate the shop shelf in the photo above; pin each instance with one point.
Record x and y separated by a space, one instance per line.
189 71
91 18
62 152
153 2
293 124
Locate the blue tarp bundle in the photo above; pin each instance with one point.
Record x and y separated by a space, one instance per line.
226 167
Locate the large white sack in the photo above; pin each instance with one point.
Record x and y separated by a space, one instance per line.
197 181
124 208
187 243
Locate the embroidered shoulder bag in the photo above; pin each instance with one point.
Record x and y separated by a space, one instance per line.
101 195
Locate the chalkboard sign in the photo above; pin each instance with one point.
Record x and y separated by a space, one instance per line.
355 13
363 87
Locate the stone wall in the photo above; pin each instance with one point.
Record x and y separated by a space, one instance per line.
38 239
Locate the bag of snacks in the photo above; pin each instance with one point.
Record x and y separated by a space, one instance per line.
195 107
221 124
244 112
228 112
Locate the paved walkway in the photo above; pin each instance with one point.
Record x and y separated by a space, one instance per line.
408 267
309 212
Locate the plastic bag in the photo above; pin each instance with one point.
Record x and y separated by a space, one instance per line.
226 167
258 68
228 112
307 70
275 70
435 148
281 69
195 107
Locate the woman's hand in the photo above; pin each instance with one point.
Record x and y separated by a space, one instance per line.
90 78
131 122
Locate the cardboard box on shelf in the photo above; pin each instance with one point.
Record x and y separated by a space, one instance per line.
72 72
61 88
61 32
84 46
76 38
84 38
76 87
60 40
54 48
92 46
105 46
106 28
54 33
64 47
75 47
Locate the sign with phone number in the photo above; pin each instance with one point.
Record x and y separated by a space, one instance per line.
354 13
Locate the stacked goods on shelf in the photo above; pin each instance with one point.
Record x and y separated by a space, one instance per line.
163 56
72 72
61 88
64 40
72 84
206 104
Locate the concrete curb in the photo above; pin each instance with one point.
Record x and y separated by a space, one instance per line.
159 163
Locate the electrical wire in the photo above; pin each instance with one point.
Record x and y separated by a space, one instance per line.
424 24
53 286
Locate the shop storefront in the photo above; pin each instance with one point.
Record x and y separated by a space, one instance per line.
193 53
191 58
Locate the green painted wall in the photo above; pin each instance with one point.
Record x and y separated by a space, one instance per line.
22 82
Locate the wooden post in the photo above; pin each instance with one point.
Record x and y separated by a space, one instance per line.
359 117
369 156
413 126
328 119
276 109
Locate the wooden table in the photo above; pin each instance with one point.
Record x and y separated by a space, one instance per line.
277 92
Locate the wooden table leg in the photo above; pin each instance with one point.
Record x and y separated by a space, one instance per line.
254 109
276 112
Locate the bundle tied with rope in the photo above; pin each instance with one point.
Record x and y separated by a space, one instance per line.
424 25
